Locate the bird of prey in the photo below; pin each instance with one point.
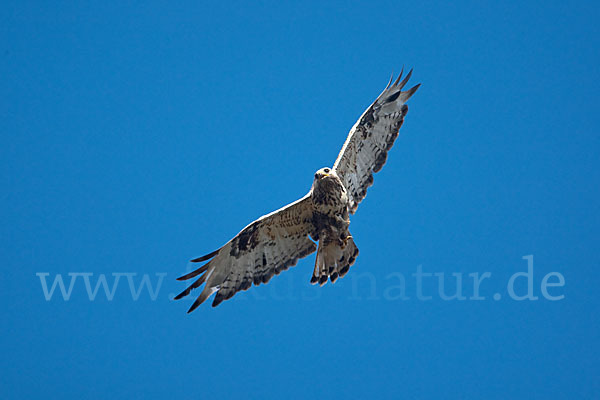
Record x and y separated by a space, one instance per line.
274 242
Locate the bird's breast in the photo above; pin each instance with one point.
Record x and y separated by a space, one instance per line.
329 197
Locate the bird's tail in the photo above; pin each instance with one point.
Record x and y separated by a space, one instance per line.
334 258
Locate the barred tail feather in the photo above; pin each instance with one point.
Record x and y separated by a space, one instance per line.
333 260
349 257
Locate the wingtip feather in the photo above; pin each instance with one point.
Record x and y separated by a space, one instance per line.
194 273
399 76
406 78
197 302
193 307
390 82
408 94
205 257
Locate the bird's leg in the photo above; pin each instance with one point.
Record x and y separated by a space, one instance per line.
344 223
343 240
316 271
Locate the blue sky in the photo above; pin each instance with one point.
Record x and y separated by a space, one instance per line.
138 135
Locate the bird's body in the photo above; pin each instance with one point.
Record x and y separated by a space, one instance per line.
276 241
330 204
337 250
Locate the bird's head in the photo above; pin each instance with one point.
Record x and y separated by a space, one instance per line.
324 173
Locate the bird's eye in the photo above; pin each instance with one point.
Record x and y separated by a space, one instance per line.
326 170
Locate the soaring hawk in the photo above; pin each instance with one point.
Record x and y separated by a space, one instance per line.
275 242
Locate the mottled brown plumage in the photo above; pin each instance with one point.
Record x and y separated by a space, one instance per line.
276 241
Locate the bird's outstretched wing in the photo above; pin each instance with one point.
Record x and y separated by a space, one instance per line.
269 245
369 140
